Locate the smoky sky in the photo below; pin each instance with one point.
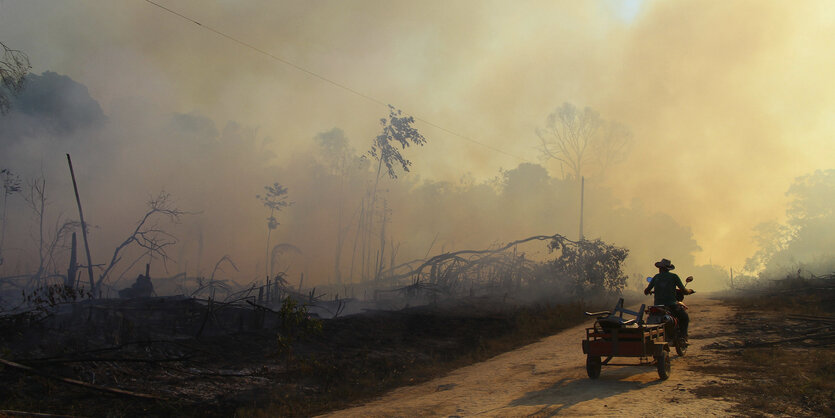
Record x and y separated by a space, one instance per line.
728 102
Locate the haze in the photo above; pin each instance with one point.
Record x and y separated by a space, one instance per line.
727 102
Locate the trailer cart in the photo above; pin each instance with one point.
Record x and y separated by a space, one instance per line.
615 336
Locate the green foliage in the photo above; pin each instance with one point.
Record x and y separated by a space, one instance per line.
296 325
397 128
274 199
592 266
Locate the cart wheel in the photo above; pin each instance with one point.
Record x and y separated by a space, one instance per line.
663 364
593 365
681 346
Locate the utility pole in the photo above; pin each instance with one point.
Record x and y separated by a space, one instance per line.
582 195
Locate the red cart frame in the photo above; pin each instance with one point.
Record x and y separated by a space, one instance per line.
613 336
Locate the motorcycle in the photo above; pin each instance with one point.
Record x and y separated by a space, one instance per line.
660 314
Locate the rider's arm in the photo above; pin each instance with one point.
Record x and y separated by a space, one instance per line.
681 286
650 286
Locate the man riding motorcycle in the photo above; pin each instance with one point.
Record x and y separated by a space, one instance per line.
665 284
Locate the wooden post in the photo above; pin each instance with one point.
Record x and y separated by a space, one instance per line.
83 229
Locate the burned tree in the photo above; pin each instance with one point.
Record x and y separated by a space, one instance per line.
342 163
36 200
11 185
46 243
147 235
14 65
580 267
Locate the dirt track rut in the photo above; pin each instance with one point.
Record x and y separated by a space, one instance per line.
548 378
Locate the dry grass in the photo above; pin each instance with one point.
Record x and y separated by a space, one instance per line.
433 344
778 380
354 359
793 378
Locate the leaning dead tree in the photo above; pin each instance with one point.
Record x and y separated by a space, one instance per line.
147 235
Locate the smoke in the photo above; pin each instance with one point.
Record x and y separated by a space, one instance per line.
802 245
728 103
215 173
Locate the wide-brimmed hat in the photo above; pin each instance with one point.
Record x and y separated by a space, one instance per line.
665 264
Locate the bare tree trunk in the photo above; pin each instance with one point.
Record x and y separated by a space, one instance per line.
72 270
268 262
337 275
360 221
36 199
381 263
3 227
340 231
394 250
370 214
42 202
199 250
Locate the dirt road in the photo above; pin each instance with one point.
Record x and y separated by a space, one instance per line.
549 378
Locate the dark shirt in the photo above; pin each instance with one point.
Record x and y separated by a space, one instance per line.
665 287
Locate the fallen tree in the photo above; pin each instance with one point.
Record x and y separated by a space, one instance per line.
585 265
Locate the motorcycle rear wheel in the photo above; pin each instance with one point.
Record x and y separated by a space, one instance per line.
663 365
681 347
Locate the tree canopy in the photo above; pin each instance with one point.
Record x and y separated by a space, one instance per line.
580 138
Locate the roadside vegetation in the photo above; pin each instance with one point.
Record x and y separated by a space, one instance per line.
408 347
334 363
781 355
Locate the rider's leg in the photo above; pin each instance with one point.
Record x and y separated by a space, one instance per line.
683 319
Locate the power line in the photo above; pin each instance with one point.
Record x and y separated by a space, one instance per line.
325 79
